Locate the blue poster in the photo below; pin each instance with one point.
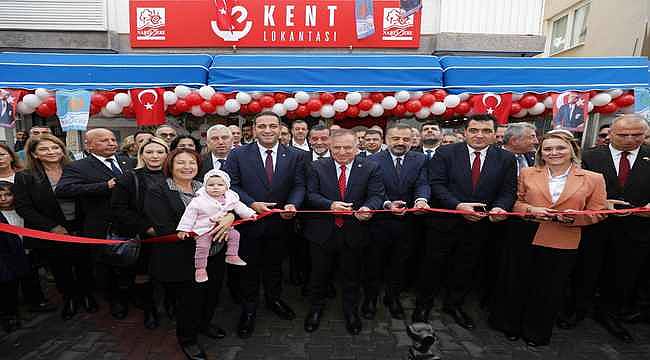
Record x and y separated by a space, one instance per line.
642 102
410 6
73 109
363 11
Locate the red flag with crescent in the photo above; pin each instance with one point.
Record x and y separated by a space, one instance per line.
149 106
224 15
497 105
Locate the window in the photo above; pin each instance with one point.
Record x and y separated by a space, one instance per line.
568 29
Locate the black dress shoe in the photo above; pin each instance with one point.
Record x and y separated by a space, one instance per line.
193 352
119 309
394 307
369 308
420 315
312 321
281 309
151 319
43 307
89 304
246 325
460 317
331 290
69 309
353 324
214 332
613 326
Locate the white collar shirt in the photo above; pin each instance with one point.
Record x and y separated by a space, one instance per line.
616 156
274 154
348 170
483 154
107 163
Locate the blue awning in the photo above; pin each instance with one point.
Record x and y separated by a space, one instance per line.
289 73
499 74
101 71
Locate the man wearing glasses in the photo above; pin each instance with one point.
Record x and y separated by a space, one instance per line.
603 135
167 133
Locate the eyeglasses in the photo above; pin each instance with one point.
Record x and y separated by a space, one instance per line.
602 136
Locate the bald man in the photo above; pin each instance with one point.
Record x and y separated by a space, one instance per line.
90 182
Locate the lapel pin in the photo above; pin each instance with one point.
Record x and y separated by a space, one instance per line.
359 165
284 155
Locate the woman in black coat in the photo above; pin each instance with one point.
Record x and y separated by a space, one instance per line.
173 264
130 220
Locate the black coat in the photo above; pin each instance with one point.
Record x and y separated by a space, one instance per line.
127 202
172 261
13 261
86 180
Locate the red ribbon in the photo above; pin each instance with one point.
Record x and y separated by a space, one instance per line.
44 235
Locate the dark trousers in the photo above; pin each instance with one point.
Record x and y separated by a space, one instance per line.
450 260
385 257
298 250
343 244
9 298
262 266
197 302
72 267
490 260
30 284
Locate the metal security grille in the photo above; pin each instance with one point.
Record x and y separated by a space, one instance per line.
53 15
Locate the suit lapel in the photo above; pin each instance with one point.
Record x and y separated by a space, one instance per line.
540 181
573 183
95 162
281 168
640 166
392 172
462 155
609 168
330 170
255 157
357 166
486 170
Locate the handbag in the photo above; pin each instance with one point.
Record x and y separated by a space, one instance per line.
127 252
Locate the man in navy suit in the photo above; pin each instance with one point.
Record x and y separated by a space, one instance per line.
90 181
266 175
571 114
470 176
404 175
340 183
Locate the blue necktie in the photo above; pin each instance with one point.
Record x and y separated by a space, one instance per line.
116 171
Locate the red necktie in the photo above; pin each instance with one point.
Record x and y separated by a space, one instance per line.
268 165
623 168
476 169
338 220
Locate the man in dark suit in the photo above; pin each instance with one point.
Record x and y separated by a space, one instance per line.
469 176
266 175
373 142
342 182
521 140
431 136
612 252
219 142
90 181
571 114
404 176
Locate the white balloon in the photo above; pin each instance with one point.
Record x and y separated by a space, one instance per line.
327 111
42 93
279 110
517 96
206 92
196 111
376 110
232 105
601 99
301 97
182 91
590 106
31 100
614 93
423 113
363 113
464 96
24 108
122 99
113 107
221 110
291 104
340 105
170 97
451 101
521 114
243 98
415 95
353 98
548 102
315 114
438 108
389 102
402 96
537 109
105 113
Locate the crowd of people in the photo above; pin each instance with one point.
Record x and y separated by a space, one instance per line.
551 267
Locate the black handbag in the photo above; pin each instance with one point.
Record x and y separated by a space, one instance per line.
127 252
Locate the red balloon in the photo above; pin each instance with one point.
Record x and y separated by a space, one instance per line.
365 104
173 110
51 103
208 107
302 111
376 97
193 99
624 100
413 106
129 111
243 109
327 98
291 115
352 111
94 109
462 108
427 99
448 113
182 105
314 105
44 111
474 98
607 109
279 97
339 116
528 101
267 101
254 107
110 94
593 93
340 95
399 110
540 97
440 94
515 108
218 99
99 100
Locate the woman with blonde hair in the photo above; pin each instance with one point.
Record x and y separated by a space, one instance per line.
539 254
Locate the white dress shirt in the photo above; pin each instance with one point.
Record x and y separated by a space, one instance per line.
472 155
217 165
303 146
556 184
348 170
104 160
616 156
315 156
274 154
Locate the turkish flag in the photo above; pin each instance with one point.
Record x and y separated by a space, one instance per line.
224 17
149 106
497 105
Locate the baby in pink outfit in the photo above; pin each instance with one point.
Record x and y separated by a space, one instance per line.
213 201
